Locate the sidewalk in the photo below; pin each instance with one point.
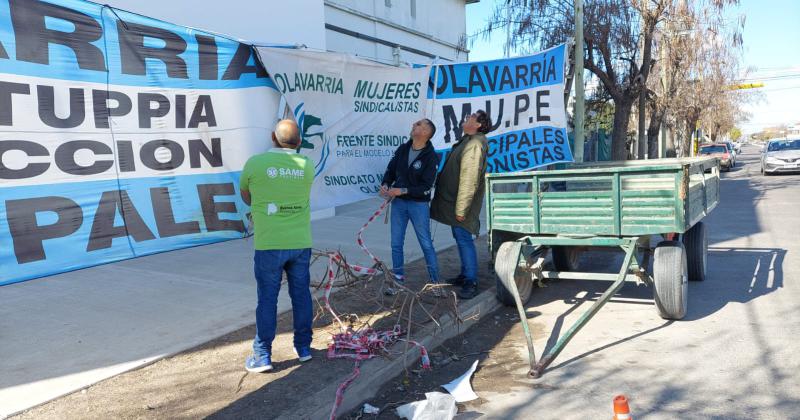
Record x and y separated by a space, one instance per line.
65 332
209 381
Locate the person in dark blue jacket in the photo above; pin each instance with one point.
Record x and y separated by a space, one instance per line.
409 178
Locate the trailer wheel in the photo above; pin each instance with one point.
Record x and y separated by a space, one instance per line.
506 266
565 258
501 236
696 243
670 280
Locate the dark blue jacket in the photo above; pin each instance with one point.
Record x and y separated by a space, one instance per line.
418 178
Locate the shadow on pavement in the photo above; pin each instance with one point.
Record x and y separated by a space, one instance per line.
735 275
609 345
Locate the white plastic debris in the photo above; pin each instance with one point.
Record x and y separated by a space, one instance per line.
460 388
369 409
435 406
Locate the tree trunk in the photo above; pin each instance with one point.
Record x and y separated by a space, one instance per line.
715 134
622 114
653 130
670 152
691 127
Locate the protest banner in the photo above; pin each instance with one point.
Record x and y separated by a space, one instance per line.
524 97
353 113
123 136
120 135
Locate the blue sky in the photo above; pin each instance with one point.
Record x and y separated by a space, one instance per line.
771 49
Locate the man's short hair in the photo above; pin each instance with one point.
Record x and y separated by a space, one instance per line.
485 121
431 125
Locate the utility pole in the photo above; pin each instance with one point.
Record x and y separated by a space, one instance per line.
580 102
665 83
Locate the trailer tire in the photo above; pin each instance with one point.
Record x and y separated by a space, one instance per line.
565 258
501 236
507 265
670 280
696 243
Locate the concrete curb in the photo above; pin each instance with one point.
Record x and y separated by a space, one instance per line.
376 372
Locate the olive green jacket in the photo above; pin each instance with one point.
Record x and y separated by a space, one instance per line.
460 186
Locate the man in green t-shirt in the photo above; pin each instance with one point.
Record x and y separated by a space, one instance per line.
277 187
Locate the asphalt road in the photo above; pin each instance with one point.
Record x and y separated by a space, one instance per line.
736 355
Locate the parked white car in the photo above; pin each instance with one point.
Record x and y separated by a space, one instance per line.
781 155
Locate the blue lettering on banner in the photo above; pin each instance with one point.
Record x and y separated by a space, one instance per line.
51 220
497 77
83 41
518 95
524 149
48 229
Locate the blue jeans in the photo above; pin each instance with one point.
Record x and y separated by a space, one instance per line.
468 254
420 215
269 267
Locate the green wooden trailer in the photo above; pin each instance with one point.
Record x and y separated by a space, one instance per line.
611 205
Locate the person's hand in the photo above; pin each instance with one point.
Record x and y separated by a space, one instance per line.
384 191
461 218
394 192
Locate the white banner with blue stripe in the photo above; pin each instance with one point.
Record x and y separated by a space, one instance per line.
524 97
120 135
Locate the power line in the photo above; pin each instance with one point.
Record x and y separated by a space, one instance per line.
780 77
778 68
778 89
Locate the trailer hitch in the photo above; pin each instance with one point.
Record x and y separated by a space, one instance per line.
506 274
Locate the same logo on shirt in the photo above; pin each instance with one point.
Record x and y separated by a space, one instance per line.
274 172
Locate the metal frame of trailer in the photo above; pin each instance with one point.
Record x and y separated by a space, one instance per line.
612 205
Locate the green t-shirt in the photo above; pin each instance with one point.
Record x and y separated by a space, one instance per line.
279 182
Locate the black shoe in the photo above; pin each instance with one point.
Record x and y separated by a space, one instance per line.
456 281
468 291
392 291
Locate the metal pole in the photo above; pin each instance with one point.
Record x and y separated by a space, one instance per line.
662 143
641 153
579 94
435 65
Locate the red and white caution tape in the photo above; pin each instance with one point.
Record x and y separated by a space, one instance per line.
363 344
360 240
342 387
336 258
333 259
368 343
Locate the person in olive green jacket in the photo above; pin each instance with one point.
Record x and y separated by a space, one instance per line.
459 196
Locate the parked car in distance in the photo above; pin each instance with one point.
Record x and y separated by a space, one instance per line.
732 151
720 151
781 155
